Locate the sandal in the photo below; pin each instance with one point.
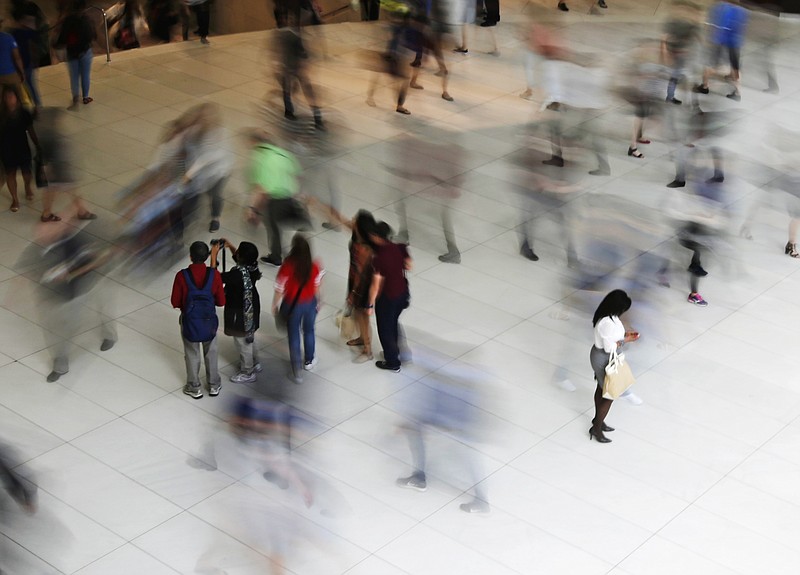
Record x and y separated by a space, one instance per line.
87 216
635 153
447 97
355 342
50 218
88 100
642 141
14 207
416 86
402 110
791 250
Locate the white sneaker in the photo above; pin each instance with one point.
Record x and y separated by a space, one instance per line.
566 385
633 398
309 365
242 377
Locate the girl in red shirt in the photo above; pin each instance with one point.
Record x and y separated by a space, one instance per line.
298 299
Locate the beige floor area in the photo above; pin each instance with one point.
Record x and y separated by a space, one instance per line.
701 479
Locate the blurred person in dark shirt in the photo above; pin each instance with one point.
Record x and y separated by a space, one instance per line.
77 35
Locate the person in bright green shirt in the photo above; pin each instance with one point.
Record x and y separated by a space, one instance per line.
274 184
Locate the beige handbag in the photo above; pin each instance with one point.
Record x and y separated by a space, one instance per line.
346 323
619 376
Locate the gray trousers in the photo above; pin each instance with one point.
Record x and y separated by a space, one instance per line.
192 353
247 354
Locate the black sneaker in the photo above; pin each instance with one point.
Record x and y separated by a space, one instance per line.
676 184
697 271
716 179
526 252
213 226
563 7
735 96
700 89
674 101
386 366
272 260
557 161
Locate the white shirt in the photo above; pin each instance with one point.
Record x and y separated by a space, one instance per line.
608 332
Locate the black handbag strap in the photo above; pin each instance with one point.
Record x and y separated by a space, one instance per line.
296 297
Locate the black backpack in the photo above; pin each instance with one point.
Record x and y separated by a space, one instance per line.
199 320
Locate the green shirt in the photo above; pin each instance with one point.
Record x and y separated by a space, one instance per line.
275 170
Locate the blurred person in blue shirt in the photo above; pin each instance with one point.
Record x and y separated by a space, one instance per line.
728 22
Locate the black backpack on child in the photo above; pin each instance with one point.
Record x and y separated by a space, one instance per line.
199 320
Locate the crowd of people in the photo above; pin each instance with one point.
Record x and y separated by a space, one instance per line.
160 209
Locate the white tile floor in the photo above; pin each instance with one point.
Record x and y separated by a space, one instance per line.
701 479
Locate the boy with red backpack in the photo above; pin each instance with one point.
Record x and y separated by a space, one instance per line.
197 291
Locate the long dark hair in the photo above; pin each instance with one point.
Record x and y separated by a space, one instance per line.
616 303
364 224
247 257
300 256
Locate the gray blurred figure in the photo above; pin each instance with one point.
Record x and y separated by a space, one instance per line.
193 154
781 145
545 196
765 28
208 164
24 494
699 132
68 257
262 430
293 64
681 37
647 77
577 88
431 156
56 153
446 402
701 217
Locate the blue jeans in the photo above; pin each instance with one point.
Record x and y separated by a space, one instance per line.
303 315
33 88
80 69
387 316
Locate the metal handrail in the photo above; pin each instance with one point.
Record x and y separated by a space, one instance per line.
105 30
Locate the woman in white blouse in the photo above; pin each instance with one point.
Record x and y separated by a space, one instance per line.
609 334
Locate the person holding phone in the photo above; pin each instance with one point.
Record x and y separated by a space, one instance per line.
609 335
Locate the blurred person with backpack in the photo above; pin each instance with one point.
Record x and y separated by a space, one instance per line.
197 291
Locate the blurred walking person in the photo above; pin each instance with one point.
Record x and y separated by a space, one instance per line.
76 36
274 181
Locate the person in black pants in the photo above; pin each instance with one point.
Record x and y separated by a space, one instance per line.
202 11
492 13
388 295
